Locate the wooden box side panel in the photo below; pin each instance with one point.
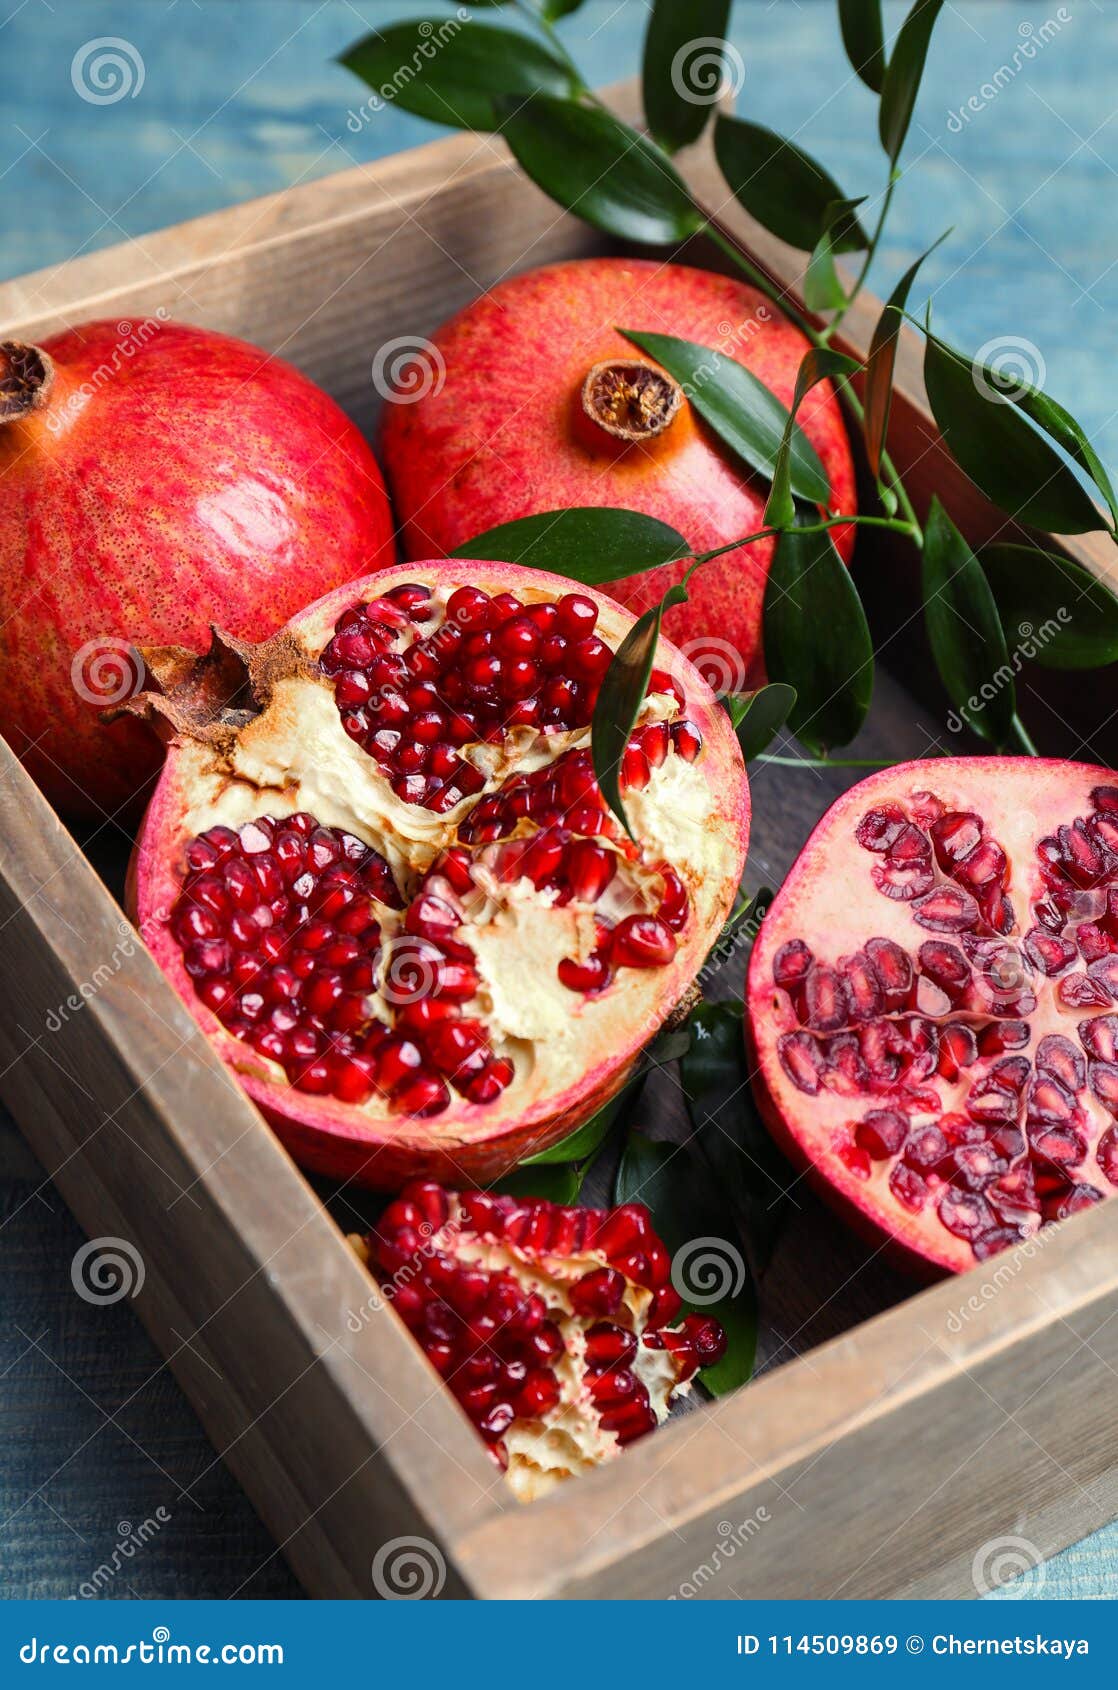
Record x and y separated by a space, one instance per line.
326 275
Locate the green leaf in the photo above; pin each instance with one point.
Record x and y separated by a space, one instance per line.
882 361
601 169
682 68
759 716
557 1184
1062 427
746 916
817 639
694 1220
585 1140
823 289
987 434
586 543
902 78
965 631
668 1046
779 184
455 72
863 37
621 696
741 410
1055 611
818 364
728 1127
553 10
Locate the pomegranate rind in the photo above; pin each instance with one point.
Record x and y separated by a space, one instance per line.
468 1143
829 900
503 434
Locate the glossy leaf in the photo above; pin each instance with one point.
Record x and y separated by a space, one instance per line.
779 184
601 169
882 361
557 1184
741 410
759 716
588 543
621 696
902 78
729 1131
694 1220
682 68
965 631
818 364
817 639
585 1140
1055 611
1062 427
823 289
989 436
863 37
458 72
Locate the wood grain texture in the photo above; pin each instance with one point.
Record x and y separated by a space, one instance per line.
343 1437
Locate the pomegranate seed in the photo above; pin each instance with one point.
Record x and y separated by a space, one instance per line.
641 941
598 1292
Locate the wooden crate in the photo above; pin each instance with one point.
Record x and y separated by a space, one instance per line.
873 1464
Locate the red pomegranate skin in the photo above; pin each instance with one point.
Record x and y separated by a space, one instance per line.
201 480
504 436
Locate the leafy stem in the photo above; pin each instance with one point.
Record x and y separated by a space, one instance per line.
871 252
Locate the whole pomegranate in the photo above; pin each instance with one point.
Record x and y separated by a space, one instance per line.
155 482
932 1003
551 1325
546 406
379 870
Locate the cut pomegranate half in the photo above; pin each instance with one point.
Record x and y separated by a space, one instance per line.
933 1003
430 949
551 1325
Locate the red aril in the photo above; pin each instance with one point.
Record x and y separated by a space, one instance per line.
555 1341
932 1008
157 478
428 955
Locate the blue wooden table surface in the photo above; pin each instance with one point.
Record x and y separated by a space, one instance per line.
1014 145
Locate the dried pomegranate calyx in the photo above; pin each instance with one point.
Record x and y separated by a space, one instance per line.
933 997
629 399
551 1325
26 378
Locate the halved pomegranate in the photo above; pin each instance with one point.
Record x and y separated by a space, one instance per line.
379 870
551 1325
932 1003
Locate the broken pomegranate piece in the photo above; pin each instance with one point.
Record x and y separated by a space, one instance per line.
396 898
933 1003
552 1326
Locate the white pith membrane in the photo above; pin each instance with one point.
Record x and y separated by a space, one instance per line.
295 757
963 1114
545 1339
